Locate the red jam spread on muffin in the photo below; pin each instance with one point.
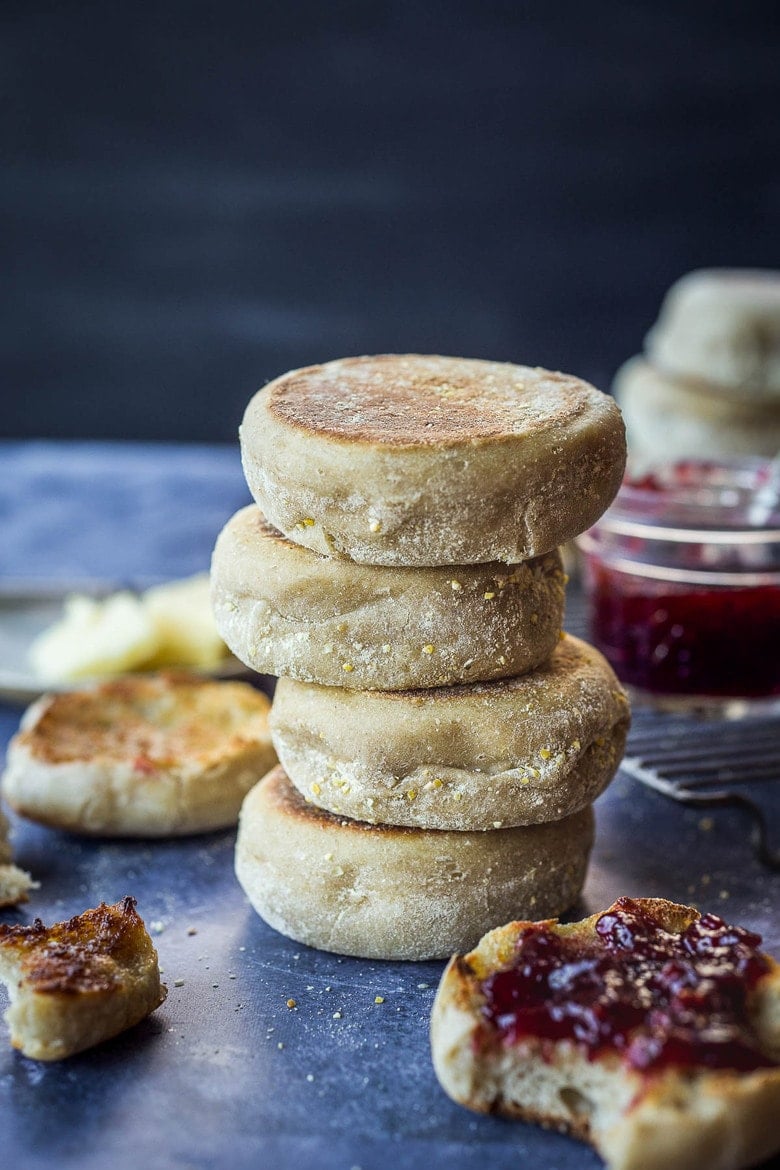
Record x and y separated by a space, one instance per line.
658 999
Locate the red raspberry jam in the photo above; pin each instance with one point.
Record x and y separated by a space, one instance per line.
658 999
694 641
683 580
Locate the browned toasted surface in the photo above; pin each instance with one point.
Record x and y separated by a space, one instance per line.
257 524
152 722
88 954
416 400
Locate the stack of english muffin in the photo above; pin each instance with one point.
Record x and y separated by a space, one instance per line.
440 739
708 383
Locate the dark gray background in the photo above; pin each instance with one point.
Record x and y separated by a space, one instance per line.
198 196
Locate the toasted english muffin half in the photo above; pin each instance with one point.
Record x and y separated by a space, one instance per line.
479 756
383 892
77 983
424 460
500 1045
286 610
147 756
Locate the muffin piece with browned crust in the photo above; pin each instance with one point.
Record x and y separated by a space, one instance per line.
77 983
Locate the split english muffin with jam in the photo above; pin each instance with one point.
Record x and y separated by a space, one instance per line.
649 1030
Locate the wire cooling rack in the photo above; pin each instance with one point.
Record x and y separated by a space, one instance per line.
711 763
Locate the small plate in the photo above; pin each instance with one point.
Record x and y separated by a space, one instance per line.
27 609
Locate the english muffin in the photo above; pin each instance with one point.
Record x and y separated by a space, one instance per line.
479 756
78 983
286 610
722 326
146 756
651 1031
669 419
416 461
384 892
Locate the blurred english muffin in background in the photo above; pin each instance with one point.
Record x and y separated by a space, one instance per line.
668 419
722 326
709 381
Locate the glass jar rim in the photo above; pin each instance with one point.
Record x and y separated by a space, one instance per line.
709 577
699 501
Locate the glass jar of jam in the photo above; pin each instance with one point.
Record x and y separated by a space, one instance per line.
682 575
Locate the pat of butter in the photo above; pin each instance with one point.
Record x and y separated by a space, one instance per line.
95 638
182 615
168 625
